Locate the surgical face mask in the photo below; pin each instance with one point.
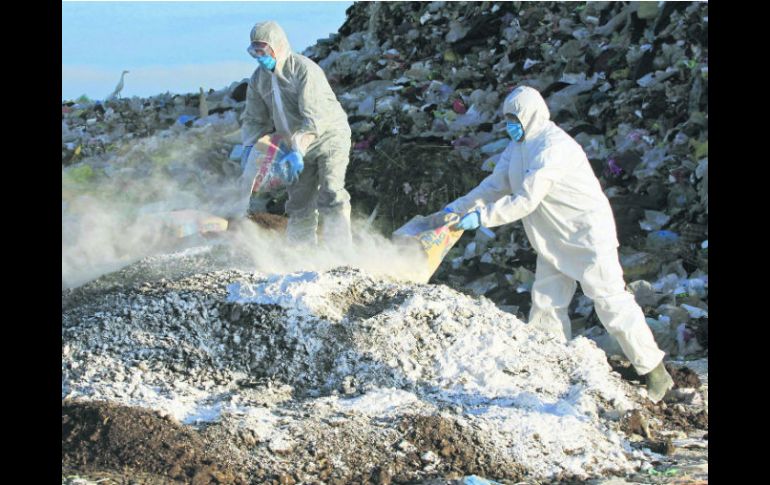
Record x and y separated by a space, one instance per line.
515 130
267 62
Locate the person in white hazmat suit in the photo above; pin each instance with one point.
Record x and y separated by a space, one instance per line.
544 178
289 94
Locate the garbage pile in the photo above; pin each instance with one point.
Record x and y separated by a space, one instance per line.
422 84
317 375
96 128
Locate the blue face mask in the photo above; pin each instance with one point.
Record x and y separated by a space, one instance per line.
515 130
267 62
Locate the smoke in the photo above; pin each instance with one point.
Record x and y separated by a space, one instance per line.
116 211
115 208
101 236
371 252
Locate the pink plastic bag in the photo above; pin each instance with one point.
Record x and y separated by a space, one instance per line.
263 163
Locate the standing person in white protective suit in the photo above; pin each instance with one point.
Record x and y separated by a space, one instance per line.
544 178
289 94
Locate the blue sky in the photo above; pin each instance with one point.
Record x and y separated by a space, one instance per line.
176 46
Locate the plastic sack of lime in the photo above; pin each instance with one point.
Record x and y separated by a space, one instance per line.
433 235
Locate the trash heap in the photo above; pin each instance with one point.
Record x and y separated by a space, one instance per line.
147 154
96 128
423 83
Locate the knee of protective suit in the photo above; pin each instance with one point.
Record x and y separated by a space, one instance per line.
303 197
332 167
618 312
328 198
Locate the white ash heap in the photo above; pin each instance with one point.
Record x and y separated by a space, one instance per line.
285 356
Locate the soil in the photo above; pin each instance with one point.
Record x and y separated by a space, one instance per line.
459 453
272 222
674 417
684 377
679 417
624 368
105 436
653 421
634 422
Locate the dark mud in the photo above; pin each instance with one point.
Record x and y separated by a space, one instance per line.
459 452
102 436
272 222
684 377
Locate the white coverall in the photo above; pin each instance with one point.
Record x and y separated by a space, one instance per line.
295 100
547 182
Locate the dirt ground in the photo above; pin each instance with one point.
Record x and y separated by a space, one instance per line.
269 221
432 434
125 445
99 436
675 428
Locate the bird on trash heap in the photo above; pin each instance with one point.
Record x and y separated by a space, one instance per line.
116 93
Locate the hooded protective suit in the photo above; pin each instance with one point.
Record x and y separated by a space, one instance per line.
295 100
547 182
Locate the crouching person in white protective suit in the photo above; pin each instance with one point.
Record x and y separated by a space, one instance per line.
289 94
544 178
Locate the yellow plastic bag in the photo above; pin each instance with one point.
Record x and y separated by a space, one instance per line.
433 236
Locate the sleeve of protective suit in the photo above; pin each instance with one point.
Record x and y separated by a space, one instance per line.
256 119
490 189
312 88
544 170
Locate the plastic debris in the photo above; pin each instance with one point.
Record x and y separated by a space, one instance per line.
654 220
695 312
476 480
662 239
185 119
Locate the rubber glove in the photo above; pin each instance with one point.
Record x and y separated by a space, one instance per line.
469 221
291 166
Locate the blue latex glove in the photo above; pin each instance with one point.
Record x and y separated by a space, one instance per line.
245 156
291 166
469 221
